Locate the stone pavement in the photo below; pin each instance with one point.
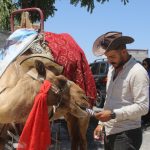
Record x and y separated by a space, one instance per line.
146 139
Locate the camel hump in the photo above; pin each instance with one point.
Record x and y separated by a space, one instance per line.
29 62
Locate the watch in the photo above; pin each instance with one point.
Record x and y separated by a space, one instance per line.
113 115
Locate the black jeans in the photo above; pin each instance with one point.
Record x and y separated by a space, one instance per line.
127 140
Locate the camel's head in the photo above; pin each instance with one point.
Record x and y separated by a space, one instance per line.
65 95
70 98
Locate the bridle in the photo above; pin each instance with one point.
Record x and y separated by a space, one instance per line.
54 88
59 91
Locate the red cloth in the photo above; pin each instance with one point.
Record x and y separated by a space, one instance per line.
36 132
67 53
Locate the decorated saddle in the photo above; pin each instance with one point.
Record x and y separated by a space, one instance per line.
17 43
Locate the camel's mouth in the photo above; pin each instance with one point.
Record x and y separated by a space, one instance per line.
80 111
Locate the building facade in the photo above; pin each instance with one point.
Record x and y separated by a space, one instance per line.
139 54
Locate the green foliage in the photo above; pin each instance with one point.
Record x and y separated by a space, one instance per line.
84 3
90 3
47 6
103 1
5 11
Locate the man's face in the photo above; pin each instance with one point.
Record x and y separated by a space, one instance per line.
115 58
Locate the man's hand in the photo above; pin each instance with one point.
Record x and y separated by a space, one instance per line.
98 132
104 115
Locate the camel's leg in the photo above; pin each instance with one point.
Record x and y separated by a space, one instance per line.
83 126
3 135
2 143
77 130
73 129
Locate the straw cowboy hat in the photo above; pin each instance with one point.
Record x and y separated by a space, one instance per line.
110 41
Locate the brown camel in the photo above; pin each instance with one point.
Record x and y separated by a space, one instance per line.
68 102
20 83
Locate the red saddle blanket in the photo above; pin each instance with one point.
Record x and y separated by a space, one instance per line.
67 53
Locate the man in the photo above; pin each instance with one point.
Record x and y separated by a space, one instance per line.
127 94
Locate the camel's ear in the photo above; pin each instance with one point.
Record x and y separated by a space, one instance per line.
39 65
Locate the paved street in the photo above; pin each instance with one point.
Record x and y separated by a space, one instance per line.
146 141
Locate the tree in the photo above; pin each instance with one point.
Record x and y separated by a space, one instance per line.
6 8
47 6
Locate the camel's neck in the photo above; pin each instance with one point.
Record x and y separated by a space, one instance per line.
16 102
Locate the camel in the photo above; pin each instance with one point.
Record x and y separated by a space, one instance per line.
22 79
72 98
28 72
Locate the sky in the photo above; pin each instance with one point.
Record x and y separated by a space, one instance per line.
132 20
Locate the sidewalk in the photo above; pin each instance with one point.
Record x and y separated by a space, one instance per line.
146 140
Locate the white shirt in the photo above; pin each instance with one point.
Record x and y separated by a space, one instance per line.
127 96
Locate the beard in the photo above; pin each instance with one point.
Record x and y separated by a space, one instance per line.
120 63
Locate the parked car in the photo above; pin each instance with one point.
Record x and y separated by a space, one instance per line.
99 69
